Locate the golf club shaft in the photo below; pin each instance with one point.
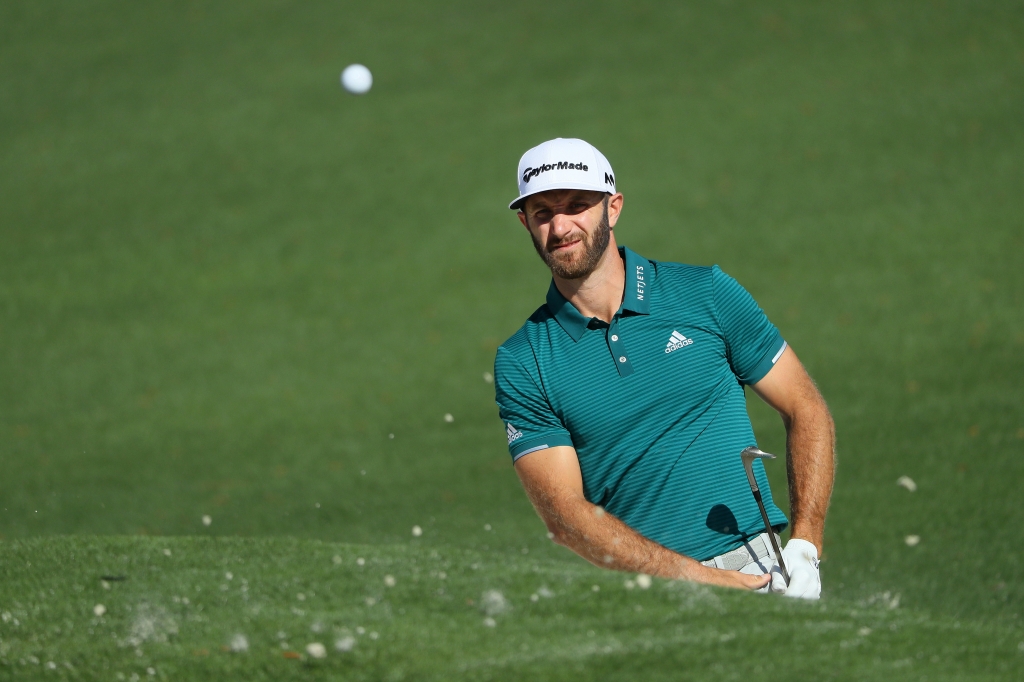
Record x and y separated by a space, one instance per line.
771 535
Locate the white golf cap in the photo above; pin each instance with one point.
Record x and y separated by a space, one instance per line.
563 163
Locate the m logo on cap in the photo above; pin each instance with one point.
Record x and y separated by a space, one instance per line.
610 179
531 173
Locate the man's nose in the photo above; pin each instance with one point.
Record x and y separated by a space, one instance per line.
561 224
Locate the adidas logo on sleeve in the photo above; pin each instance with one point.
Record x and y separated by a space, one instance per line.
677 341
514 434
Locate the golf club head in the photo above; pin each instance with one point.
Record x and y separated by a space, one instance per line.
748 456
753 453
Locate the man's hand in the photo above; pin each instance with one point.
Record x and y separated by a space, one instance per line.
554 484
801 558
734 579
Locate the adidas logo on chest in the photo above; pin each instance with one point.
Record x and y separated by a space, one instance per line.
677 341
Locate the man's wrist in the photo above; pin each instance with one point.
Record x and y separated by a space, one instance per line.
807 535
695 571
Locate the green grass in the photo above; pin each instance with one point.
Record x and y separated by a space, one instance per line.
224 284
181 601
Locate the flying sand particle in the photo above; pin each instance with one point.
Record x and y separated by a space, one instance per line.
448 417
643 581
316 650
912 540
99 610
167 552
239 644
207 520
346 643
336 559
389 580
360 561
493 603
906 482
417 531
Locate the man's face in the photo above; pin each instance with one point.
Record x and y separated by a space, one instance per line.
570 229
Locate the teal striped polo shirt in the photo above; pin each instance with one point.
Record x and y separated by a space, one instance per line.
653 402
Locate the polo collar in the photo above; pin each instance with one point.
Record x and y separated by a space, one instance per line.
639 278
636 296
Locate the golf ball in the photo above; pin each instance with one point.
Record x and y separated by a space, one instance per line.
356 79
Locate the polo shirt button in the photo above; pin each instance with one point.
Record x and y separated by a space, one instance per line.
615 337
622 358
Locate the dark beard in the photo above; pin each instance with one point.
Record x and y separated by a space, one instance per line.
594 247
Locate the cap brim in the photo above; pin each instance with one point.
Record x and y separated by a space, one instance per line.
521 199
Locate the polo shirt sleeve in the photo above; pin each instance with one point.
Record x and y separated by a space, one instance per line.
753 344
530 423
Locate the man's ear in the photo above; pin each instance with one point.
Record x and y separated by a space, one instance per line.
615 208
522 218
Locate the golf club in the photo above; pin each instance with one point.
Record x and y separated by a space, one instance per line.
748 456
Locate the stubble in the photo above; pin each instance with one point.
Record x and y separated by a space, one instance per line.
583 263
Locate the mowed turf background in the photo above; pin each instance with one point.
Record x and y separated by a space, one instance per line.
225 283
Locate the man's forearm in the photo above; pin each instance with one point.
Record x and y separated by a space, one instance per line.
605 541
552 482
810 467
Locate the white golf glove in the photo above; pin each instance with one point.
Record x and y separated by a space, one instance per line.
801 558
